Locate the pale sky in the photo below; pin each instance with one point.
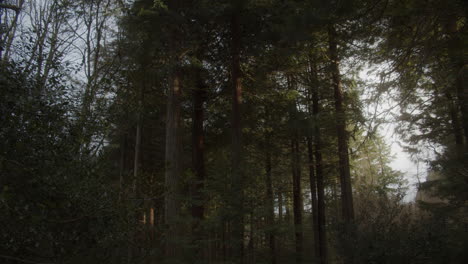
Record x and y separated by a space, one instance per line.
402 162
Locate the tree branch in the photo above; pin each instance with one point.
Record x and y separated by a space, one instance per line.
12 7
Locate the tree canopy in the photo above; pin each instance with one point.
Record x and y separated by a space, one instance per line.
154 131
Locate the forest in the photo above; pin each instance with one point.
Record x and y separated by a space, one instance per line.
233 131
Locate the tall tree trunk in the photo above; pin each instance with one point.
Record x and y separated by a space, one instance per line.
313 110
462 94
457 50
198 145
173 165
136 167
313 194
136 160
323 253
271 213
251 245
198 163
297 197
11 31
123 148
280 219
237 177
173 147
345 175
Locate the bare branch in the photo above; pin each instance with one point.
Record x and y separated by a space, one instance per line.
12 7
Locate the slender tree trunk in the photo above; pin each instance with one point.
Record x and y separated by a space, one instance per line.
53 50
462 93
173 165
11 31
345 175
323 252
237 177
151 220
280 206
271 213
297 198
173 147
317 146
312 177
457 50
280 220
136 166
198 163
123 147
313 194
136 160
251 245
198 146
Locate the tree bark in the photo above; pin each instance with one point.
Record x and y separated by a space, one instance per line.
462 93
136 160
315 169
271 213
173 165
459 66
198 146
323 252
345 174
123 147
280 219
173 147
297 197
251 244
313 194
198 165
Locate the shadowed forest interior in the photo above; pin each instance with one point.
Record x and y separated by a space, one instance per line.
233 131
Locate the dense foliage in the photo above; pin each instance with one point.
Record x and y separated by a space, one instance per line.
154 131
